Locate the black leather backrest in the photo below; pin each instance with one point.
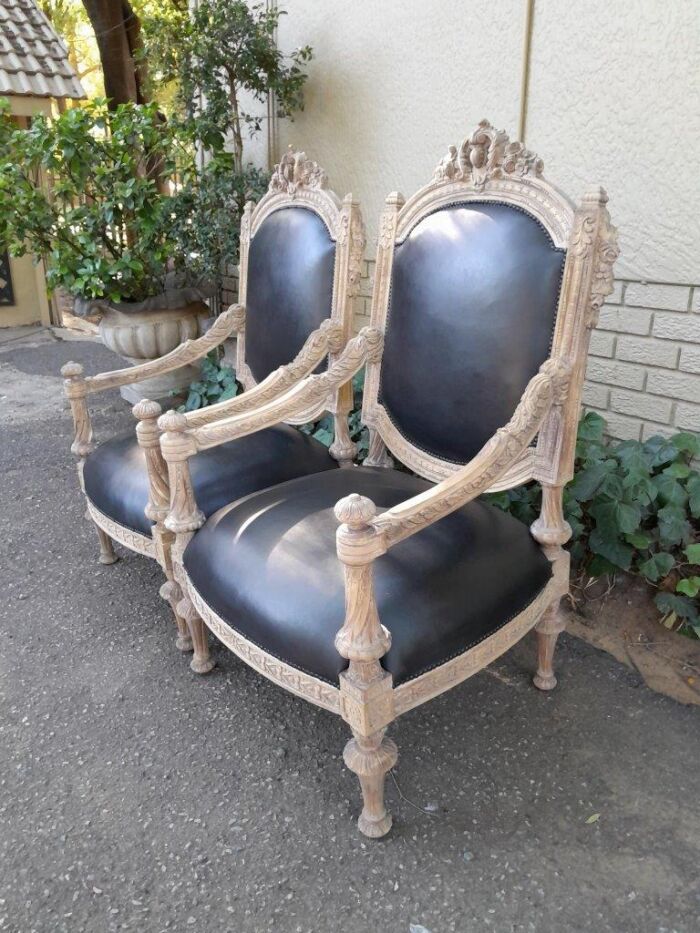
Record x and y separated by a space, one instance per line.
474 296
290 286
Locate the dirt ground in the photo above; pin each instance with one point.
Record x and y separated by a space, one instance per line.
135 795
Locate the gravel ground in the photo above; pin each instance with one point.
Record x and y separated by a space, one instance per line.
135 795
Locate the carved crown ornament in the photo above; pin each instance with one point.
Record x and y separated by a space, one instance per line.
295 171
485 155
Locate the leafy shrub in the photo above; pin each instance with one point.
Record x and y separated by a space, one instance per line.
217 383
635 507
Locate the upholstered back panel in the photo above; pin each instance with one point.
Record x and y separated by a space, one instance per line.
473 302
291 262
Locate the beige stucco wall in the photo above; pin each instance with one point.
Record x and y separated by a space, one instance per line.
613 97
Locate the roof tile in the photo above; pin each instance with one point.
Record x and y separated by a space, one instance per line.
33 59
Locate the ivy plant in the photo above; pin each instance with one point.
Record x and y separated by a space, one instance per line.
217 383
633 507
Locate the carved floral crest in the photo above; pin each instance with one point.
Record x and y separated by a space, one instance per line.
295 171
487 154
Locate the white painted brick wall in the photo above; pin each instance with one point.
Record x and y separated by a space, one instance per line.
643 372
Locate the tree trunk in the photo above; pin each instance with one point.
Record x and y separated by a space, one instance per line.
118 33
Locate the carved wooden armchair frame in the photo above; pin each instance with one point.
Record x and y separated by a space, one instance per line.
537 444
295 182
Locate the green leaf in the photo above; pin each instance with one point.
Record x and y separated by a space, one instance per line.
616 517
611 549
692 552
678 470
586 482
690 586
661 450
591 427
638 540
687 442
230 392
673 526
193 401
599 566
693 489
681 605
324 436
657 566
670 490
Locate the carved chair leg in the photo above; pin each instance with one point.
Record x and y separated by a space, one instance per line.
370 757
548 629
170 592
201 662
107 553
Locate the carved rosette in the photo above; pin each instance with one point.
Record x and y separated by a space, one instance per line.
295 171
485 155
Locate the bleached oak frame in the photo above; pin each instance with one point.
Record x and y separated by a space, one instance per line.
296 181
487 166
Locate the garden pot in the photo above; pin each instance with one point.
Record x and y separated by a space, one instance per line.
143 335
145 331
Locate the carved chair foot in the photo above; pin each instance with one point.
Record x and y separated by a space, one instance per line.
201 662
183 642
370 757
172 594
107 553
548 629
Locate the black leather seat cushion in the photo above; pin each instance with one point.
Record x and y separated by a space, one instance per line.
267 565
474 296
116 480
291 264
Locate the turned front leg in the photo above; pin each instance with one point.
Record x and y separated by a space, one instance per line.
366 693
170 591
371 757
201 662
107 553
547 629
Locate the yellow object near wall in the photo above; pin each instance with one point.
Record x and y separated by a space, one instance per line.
30 304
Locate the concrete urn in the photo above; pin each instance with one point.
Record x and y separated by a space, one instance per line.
141 336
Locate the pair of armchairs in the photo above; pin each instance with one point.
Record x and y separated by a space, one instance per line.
368 590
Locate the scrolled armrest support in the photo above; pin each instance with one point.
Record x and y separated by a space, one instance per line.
547 388
230 321
326 338
304 398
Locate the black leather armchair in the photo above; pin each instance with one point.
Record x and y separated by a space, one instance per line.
301 249
369 591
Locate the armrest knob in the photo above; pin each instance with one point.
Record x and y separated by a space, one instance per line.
355 510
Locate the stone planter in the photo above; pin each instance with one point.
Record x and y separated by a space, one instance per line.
141 336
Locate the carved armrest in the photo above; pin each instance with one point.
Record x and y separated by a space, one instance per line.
327 338
178 442
301 400
500 452
78 387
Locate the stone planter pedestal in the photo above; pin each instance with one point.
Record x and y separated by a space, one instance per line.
142 336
